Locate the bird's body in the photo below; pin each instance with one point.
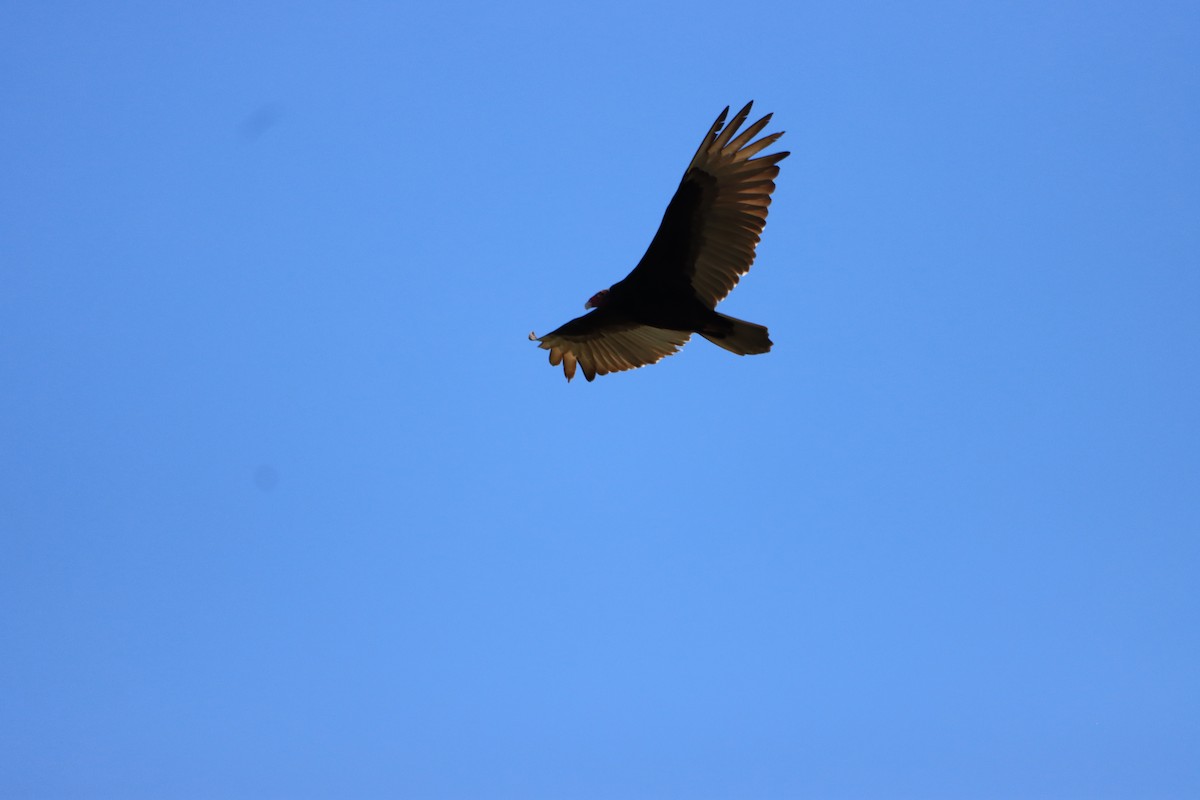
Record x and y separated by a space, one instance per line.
705 243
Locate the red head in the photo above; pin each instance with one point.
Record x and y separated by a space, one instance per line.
598 299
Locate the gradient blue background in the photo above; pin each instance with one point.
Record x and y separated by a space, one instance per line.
292 508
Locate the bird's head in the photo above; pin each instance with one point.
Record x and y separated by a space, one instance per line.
598 299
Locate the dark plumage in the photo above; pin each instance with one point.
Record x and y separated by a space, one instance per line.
704 244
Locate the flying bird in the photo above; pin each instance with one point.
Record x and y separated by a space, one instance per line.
703 246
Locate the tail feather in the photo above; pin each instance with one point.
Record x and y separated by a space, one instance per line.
738 336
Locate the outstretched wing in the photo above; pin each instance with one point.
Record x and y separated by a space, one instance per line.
713 224
603 341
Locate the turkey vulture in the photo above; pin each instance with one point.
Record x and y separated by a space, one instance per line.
704 244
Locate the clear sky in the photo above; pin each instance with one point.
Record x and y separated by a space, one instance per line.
291 507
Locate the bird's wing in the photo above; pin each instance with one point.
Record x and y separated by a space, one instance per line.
713 223
602 342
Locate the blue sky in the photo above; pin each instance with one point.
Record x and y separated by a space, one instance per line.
291 507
